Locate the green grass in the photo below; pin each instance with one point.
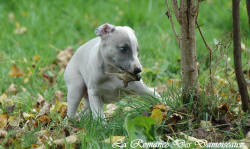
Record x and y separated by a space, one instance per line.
72 23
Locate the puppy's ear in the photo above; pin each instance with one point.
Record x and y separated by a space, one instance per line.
104 29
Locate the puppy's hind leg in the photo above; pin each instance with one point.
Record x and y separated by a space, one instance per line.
75 87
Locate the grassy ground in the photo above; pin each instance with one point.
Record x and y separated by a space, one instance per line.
54 25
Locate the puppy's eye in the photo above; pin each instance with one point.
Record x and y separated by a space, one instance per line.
124 49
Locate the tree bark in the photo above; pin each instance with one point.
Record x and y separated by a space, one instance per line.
237 56
186 16
248 11
188 50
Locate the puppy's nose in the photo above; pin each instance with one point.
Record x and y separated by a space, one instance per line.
137 70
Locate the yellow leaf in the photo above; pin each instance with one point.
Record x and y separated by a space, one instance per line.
36 58
15 71
157 115
159 112
114 139
3 120
3 98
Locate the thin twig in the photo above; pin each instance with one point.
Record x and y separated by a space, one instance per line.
210 57
176 10
172 23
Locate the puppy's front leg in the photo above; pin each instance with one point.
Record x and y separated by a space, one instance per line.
96 104
140 88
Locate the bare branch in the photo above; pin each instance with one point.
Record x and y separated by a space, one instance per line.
210 56
172 23
208 47
176 10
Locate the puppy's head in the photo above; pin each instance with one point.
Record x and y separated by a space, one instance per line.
119 47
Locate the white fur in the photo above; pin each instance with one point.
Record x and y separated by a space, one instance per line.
85 77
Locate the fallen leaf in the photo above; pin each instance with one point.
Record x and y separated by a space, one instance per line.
12 89
110 110
15 71
63 111
44 119
69 139
159 112
174 119
64 56
44 110
60 107
206 125
14 121
27 115
114 139
49 78
3 120
126 77
157 116
59 95
40 102
3 133
224 108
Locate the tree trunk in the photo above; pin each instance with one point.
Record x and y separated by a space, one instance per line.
237 55
248 11
188 16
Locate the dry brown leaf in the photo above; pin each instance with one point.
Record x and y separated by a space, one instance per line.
114 139
3 133
69 139
64 56
110 109
63 111
44 119
126 77
14 121
15 71
59 95
34 145
44 110
224 108
3 120
174 119
12 89
50 79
